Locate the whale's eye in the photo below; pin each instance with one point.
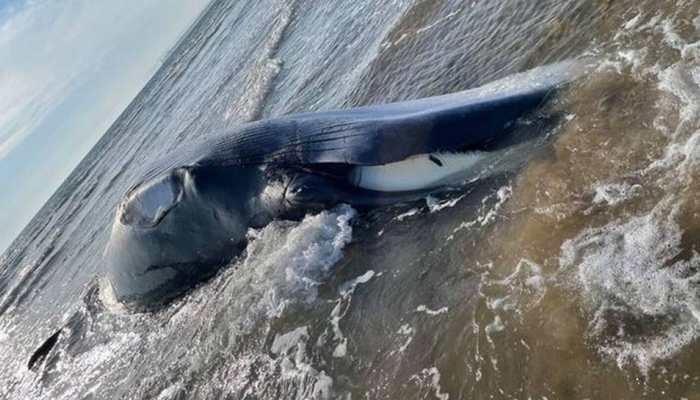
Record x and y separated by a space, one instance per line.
149 202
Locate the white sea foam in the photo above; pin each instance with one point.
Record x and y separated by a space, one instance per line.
295 364
108 297
490 206
423 308
289 260
434 383
629 267
341 308
406 331
282 343
502 195
407 214
614 193
495 326
341 348
285 263
525 287
435 205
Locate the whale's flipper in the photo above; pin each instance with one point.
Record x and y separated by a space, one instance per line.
388 133
42 351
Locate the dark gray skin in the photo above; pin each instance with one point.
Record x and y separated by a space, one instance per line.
190 213
181 227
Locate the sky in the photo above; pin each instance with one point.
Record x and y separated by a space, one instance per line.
68 68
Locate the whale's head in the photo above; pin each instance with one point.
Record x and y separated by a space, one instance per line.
175 230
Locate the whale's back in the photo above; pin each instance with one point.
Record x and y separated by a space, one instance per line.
385 133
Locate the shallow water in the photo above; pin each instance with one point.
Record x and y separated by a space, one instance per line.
574 276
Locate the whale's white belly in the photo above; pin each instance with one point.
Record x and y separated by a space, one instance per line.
422 171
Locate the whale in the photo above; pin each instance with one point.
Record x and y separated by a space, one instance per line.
189 213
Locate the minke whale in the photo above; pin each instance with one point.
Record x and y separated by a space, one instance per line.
190 212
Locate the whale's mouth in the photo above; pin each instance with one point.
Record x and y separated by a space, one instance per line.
147 204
